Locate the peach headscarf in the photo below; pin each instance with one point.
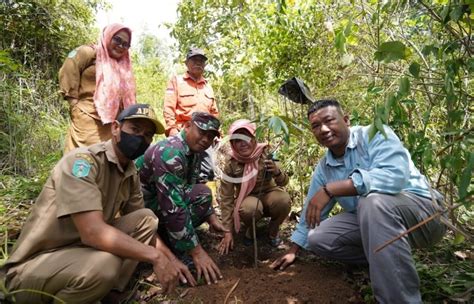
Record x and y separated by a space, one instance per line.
115 84
250 167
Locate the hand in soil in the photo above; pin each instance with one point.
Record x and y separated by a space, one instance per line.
287 259
205 265
166 272
226 244
185 275
215 224
284 261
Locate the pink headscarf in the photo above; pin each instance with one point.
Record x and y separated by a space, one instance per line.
115 84
250 167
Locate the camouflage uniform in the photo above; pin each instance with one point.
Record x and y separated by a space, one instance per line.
170 171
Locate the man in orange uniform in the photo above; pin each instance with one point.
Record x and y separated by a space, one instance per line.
190 93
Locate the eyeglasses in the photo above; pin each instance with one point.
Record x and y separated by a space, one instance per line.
120 42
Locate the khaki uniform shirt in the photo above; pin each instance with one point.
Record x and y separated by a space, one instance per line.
86 179
229 191
184 96
77 79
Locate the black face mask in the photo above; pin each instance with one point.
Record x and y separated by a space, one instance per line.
132 146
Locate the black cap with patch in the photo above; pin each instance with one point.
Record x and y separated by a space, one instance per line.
141 111
195 52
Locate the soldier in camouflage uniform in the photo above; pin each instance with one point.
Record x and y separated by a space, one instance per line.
170 170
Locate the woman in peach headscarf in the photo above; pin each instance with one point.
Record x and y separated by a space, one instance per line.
251 186
98 82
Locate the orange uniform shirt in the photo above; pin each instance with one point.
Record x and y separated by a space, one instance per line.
184 96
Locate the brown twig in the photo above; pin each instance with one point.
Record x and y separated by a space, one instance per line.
231 290
184 293
255 246
438 213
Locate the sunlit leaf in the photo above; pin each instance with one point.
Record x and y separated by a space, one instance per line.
391 51
458 239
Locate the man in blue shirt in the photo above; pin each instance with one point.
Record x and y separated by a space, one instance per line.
382 193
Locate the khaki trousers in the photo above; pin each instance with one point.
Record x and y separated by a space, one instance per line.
81 274
276 204
85 130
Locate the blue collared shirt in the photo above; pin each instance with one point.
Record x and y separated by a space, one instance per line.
382 165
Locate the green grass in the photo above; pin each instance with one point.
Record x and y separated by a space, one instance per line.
443 274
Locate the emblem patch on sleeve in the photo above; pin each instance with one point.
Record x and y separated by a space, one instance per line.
81 168
72 53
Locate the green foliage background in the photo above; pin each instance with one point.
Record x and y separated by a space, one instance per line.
405 63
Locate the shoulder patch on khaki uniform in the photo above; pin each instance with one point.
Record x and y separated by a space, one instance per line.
81 168
85 156
72 54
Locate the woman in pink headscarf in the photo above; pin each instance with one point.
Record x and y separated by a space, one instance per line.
251 186
98 82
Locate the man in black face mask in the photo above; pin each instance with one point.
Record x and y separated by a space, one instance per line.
89 228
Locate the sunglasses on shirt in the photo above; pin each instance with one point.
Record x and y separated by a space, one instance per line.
120 42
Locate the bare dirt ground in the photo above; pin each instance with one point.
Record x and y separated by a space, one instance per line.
309 280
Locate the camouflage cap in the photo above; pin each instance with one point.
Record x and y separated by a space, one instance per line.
141 111
206 121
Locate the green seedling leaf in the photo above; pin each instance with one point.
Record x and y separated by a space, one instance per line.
390 101
379 126
277 125
340 42
372 131
375 127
